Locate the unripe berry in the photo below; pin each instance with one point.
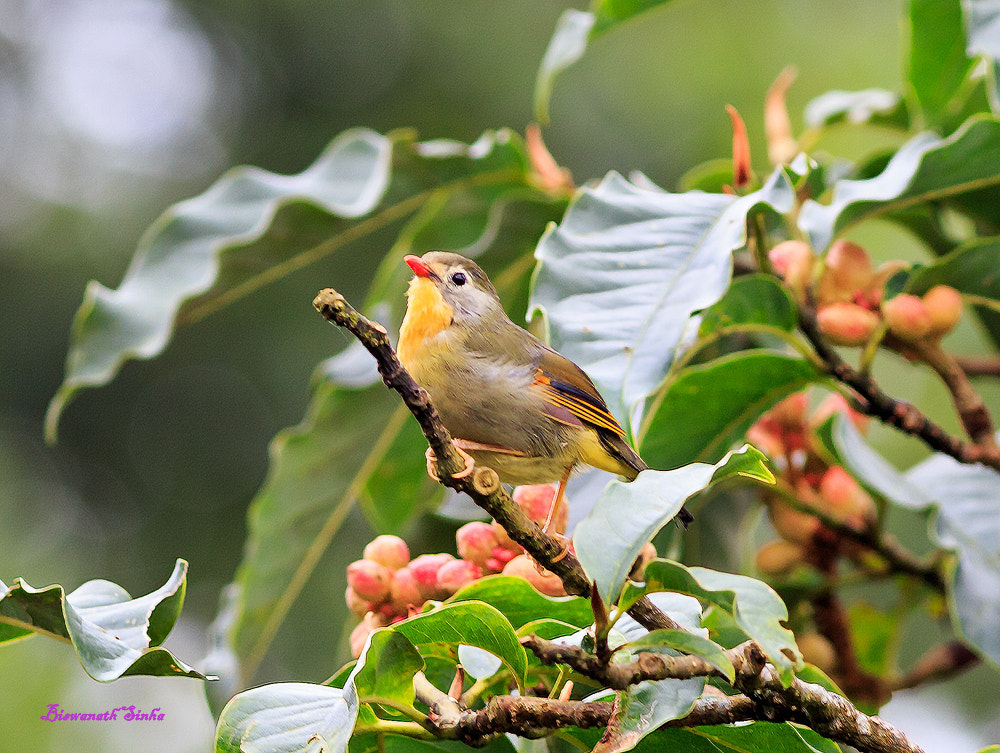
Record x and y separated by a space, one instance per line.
845 500
779 557
370 580
476 542
793 261
543 582
817 650
456 574
792 525
848 269
847 323
425 570
944 309
504 539
404 592
906 317
355 603
387 550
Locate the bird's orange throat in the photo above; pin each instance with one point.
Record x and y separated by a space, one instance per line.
427 314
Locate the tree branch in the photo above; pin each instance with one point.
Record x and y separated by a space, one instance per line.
875 402
940 663
974 366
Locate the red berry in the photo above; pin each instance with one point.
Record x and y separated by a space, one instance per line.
907 317
456 574
404 592
387 550
370 580
545 582
847 323
476 542
425 570
944 309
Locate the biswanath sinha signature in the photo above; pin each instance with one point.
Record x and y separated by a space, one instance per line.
128 714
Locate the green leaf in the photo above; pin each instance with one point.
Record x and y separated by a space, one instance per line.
516 600
568 43
757 609
318 470
876 635
877 474
113 634
708 408
386 667
938 62
574 30
253 227
967 523
982 19
924 169
473 623
651 257
644 707
973 269
629 514
874 106
287 717
755 737
755 299
688 643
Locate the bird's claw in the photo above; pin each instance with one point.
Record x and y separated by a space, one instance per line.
470 463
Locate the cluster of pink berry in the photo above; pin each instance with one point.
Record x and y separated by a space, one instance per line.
386 586
786 434
849 295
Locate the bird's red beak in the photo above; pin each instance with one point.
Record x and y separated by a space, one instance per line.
420 269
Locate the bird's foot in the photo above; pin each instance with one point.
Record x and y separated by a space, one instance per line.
564 542
470 464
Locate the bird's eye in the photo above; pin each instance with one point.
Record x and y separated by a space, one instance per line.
458 278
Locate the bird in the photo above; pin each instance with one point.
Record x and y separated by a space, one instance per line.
510 402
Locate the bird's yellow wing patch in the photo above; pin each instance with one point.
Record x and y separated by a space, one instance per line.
582 408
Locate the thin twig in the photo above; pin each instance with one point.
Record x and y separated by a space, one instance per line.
979 366
940 663
875 402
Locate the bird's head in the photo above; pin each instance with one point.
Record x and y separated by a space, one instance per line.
447 281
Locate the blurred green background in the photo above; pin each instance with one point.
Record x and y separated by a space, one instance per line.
111 110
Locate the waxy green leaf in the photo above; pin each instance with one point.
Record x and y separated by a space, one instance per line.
288 717
757 609
653 258
629 514
926 168
113 634
973 269
472 623
520 603
706 409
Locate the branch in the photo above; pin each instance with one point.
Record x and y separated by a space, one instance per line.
970 406
829 714
483 486
979 366
940 663
875 402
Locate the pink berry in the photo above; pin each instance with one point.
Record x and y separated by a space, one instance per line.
355 603
404 592
359 636
457 574
793 260
944 308
504 539
907 317
425 570
370 580
390 551
833 404
476 542
543 582
847 270
845 500
536 500
847 323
